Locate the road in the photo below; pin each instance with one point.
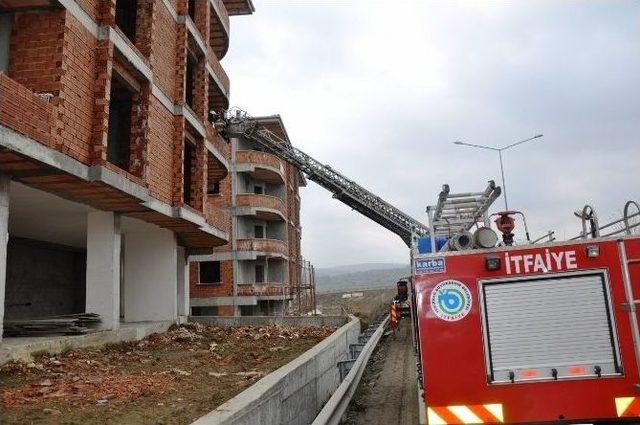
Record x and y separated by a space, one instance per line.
387 393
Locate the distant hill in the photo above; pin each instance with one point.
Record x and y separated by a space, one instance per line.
354 268
359 277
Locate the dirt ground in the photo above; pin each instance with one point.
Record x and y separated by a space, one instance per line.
388 392
372 303
168 378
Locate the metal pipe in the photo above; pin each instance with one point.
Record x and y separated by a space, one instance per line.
588 213
504 186
432 232
626 215
626 230
549 235
620 220
626 278
580 236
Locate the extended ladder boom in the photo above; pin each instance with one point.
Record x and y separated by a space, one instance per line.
343 189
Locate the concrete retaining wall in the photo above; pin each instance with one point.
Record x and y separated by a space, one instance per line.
295 393
22 348
284 321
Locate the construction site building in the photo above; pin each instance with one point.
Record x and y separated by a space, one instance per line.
261 270
107 155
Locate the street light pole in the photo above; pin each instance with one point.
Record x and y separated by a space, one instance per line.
499 150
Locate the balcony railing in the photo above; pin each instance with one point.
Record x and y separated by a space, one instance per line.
263 289
217 141
259 158
272 246
219 39
261 166
261 201
222 13
223 78
25 112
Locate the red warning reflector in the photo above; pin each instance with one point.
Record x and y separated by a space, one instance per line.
577 370
529 373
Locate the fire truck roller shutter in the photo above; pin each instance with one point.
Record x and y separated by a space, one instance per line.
549 327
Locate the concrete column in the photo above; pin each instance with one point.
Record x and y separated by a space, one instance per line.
234 226
150 278
103 267
4 238
183 283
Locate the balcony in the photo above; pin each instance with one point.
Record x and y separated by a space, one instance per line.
218 73
221 145
265 207
263 247
267 289
25 112
239 7
260 165
219 31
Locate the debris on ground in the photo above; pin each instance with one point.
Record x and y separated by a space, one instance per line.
171 377
69 324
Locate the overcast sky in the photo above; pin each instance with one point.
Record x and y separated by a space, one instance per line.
381 89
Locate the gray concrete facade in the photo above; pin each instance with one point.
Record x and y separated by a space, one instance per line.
295 393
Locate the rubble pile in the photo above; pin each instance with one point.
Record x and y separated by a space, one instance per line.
78 376
159 364
69 324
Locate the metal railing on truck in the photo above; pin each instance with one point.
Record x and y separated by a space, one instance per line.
624 225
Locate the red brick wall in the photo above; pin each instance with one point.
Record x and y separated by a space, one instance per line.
52 52
35 57
224 289
225 310
164 51
89 6
160 151
24 112
76 97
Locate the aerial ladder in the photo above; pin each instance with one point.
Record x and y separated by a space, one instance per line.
237 123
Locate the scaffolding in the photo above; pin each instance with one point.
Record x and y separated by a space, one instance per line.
303 292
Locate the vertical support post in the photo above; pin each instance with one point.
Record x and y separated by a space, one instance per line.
432 232
183 283
103 267
313 286
234 227
628 289
4 239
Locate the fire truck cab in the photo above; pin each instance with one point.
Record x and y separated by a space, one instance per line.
529 334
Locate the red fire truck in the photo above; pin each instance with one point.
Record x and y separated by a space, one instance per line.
529 334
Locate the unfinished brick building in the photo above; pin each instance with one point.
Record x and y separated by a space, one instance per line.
260 270
107 156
